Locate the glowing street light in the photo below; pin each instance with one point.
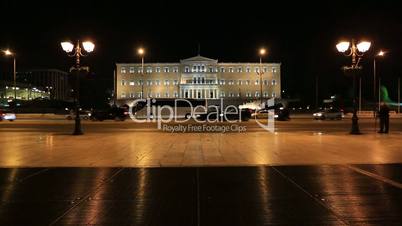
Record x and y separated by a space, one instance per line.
141 52
8 52
355 51
77 52
260 72
380 53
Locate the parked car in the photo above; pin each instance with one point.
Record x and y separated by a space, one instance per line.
7 116
329 113
231 114
114 113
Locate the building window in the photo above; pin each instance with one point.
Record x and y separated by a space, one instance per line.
203 68
149 69
166 82
132 83
231 95
231 82
222 94
265 94
139 70
123 94
265 69
222 82
123 70
139 94
273 94
247 82
248 69
123 82
239 70
273 70
167 94
231 70
131 70
158 70
211 69
248 94
166 69
175 69
273 82
257 94
157 82
139 82
239 82
256 69
257 81
176 94
149 82
175 82
132 95
265 82
187 69
222 69
158 95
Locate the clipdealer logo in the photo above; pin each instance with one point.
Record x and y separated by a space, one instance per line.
163 115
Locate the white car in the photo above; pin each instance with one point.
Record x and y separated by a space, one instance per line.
8 116
331 113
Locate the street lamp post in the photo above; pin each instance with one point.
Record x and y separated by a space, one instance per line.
77 52
9 53
141 52
379 54
356 52
260 72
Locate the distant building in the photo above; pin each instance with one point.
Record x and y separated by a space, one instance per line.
22 91
53 81
198 78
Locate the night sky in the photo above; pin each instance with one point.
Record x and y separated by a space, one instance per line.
302 36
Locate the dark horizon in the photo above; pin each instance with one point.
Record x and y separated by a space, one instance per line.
302 37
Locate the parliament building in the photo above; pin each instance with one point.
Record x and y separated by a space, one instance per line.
198 78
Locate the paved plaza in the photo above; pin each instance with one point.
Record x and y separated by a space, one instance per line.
125 144
187 196
120 173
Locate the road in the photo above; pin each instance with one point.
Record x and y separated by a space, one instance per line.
367 125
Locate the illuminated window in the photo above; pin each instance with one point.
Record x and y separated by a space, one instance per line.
131 70
132 83
123 70
247 82
257 81
265 82
239 69
186 69
248 69
157 82
273 82
240 82
222 69
273 70
123 82
123 94
231 70
265 69
166 69
175 69
158 70
222 82
166 83
257 94
149 69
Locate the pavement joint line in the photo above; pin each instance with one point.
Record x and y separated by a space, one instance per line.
375 176
329 208
32 175
85 197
